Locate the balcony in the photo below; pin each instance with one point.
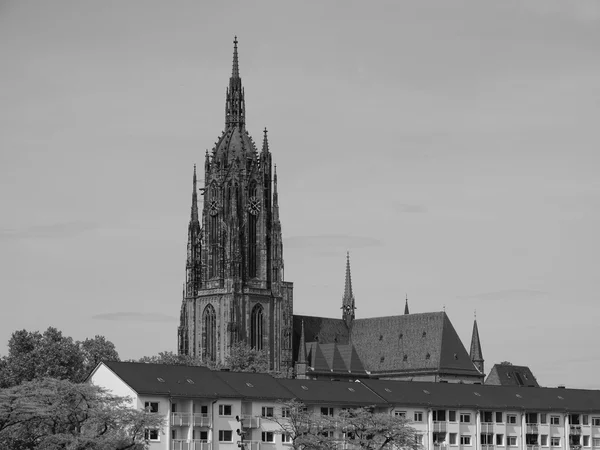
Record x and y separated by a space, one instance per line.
201 420
440 427
181 444
198 444
533 447
487 447
195 444
250 421
576 429
532 428
253 445
487 428
179 419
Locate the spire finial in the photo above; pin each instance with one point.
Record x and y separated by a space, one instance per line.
406 311
194 217
265 147
348 306
235 72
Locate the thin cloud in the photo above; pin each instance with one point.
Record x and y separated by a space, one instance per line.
330 242
52 231
508 295
135 317
408 208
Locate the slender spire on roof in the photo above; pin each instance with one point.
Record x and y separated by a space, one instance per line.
235 71
348 306
302 349
406 306
265 146
235 108
476 354
194 217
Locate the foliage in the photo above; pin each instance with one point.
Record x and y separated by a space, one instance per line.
175 359
51 414
34 355
370 430
243 358
305 429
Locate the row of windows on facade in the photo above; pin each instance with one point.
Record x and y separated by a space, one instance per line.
543 440
498 417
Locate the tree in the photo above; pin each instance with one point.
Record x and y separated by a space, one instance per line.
34 355
370 430
243 358
176 360
304 429
95 351
52 414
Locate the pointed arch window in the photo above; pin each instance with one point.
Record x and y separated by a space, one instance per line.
252 222
257 327
209 333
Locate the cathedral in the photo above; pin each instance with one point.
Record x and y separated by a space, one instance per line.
235 290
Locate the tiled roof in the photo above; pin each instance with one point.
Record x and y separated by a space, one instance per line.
509 375
332 392
255 385
189 381
410 343
455 395
322 329
334 358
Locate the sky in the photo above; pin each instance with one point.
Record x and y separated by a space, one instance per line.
451 146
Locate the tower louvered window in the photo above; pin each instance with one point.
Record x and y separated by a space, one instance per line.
252 221
214 233
209 333
256 331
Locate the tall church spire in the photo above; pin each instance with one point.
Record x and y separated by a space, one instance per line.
301 363
348 299
476 354
235 108
194 217
194 250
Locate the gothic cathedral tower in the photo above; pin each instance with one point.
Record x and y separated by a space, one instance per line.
234 288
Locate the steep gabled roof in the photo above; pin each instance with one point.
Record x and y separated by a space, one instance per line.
322 329
332 392
424 342
191 381
334 358
509 375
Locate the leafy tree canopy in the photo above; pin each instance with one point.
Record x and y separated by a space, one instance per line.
51 414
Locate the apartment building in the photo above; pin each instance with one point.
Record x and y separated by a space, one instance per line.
204 409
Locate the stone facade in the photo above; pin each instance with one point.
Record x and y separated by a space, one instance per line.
235 289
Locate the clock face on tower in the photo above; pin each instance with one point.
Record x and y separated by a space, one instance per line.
213 207
253 206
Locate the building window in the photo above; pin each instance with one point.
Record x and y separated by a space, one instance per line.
596 421
204 410
225 436
439 437
400 414
152 435
452 416
418 416
151 407
511 441
439 415
257 327
267 411
531 439
487 439
544 440
268 436
586 440
419 439
465 418
487 417
465 440
499 417
596 442
209 333
585 419
286 438
452 438
511 418
555 441
543 418
554 420
285 412
203 435
327 411
225 410
500 440
531 418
